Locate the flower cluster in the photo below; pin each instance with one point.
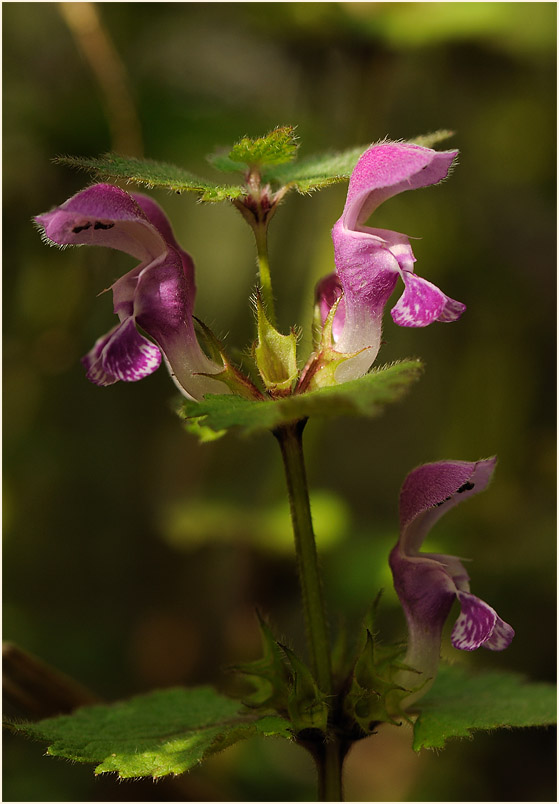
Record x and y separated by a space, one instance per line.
154 303
157 296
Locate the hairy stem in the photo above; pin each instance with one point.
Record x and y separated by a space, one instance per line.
261 236
290 441
329 754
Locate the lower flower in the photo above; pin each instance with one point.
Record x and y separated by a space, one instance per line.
427 584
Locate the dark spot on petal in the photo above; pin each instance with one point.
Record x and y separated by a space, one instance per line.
77 229
442 502
99 225
466 487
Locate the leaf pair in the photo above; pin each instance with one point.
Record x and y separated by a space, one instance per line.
171 731
273 156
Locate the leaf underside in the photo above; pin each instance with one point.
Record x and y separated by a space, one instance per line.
151 174
161 733
459 704
365 396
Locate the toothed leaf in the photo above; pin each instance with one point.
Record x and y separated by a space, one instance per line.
365 396
459 704
161 733
150 174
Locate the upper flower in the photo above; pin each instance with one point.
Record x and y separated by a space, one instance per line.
157 295
369 261
428 583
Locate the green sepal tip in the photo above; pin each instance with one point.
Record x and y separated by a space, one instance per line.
306 704
275 354
268 675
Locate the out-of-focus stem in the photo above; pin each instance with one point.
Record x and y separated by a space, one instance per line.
329 767
101 55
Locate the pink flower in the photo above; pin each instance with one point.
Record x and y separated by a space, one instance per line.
369 261
428 583
157 295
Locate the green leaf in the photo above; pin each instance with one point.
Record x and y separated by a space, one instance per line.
363 397
151 174
459 704
275 148
161 733
204 434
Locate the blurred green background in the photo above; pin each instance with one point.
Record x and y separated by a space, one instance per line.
133 557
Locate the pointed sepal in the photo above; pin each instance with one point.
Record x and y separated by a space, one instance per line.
367 698
235 380
306 705
373 696
269 675
275 354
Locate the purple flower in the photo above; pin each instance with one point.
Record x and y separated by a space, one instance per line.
157 295
369 261
428 583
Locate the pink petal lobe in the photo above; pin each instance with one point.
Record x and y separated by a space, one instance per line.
121 354
475 625
422 303
501 637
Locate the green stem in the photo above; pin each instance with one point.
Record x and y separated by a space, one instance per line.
329 765
290 441
328 754
261 236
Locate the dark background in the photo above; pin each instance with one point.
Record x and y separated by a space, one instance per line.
133 557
